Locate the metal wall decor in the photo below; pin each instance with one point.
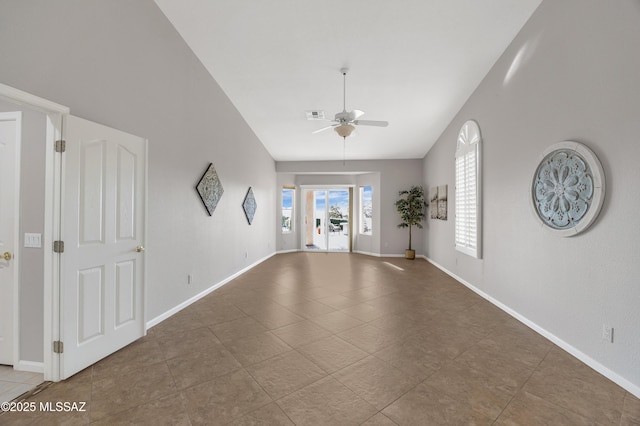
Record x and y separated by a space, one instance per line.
568 188
210 189
249 205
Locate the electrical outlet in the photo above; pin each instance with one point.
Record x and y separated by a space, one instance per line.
607 333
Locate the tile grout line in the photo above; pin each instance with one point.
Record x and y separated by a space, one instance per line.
533 371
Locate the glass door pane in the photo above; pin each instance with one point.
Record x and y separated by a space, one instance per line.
338 220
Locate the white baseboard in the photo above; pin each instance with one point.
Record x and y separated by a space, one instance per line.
202 294
31 366
366 253
611 375
288 251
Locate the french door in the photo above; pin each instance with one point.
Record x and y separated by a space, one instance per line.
327 219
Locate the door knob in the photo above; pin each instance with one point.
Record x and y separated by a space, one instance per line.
140 249
7 256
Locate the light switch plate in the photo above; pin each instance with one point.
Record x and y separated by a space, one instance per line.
32 240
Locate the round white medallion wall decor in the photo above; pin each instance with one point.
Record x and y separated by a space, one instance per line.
568 188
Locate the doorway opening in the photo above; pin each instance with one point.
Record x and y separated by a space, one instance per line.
328 219
34 304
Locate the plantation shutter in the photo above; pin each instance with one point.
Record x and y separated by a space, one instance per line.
467 198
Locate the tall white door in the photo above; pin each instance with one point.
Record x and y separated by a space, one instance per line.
9 196
103 226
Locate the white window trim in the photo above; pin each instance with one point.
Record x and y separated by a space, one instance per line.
469 141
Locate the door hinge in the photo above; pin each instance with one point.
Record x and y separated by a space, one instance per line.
58 347
61 145
58 246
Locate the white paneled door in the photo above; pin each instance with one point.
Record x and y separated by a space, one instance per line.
9 163
103 229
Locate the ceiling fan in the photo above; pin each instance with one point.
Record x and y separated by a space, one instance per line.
344 122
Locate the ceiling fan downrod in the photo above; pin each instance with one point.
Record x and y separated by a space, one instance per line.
344 72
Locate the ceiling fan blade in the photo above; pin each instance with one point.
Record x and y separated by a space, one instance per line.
371 123
324 128
355 114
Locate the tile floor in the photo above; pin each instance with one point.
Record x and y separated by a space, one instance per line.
15 383
339 339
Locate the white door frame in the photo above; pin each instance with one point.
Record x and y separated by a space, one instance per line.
303 212
51 280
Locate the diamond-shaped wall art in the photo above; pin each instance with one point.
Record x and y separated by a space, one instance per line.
210 189
249 205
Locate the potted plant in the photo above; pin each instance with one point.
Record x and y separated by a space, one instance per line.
413 209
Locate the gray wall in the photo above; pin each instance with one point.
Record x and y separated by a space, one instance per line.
122 64
387 178
571 74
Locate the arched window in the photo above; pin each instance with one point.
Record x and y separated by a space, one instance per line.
467 201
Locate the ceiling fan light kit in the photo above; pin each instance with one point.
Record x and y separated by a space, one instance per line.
344 130
345 121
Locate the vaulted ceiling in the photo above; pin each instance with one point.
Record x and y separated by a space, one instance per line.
413 63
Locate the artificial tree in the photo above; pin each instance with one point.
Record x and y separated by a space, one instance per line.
412 208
